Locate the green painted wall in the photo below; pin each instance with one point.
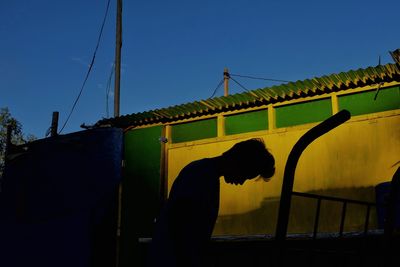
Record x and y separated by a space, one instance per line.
363 150
194 130
302 113
364 103
246 122
141 186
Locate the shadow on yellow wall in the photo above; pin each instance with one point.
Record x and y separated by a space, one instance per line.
302 216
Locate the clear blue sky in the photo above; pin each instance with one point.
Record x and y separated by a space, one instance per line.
174 52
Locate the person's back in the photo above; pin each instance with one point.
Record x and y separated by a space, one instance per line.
185 225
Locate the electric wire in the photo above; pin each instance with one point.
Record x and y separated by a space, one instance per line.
216 88
239 84
258 78
90 68
108 88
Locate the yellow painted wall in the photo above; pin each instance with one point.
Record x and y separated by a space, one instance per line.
347 162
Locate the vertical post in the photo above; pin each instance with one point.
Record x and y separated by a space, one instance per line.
118 46
54 124
335 103
344 207
316 219
271 117
119 222
367 219
226 82
168 136
220 125
163 169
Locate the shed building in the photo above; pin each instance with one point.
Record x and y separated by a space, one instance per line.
347 162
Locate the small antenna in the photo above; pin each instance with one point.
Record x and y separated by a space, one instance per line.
380 84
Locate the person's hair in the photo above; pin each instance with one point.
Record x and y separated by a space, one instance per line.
252 153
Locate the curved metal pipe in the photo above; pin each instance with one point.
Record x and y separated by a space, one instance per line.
290 167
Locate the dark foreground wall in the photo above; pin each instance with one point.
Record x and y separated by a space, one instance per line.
328 250
58 201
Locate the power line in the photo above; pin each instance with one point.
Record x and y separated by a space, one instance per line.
257 78
238 83
244 76
216 88
90 68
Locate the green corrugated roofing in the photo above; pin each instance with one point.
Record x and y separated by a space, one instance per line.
263 96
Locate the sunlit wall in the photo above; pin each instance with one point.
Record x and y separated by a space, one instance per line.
347 162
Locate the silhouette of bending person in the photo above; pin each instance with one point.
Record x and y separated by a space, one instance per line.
183 229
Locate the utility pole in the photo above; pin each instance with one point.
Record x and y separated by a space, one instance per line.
118 46
54 124
226 82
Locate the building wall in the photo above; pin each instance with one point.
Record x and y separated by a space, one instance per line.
347 162
140 190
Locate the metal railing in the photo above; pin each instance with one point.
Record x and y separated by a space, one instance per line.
288 178
344 202
390 240
290 168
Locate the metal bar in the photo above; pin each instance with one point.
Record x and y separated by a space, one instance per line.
367 219
291 163
343 218
352 201
316 221
344 200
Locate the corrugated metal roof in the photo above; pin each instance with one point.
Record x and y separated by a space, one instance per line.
258 97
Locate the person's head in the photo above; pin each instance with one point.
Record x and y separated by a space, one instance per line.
247 160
